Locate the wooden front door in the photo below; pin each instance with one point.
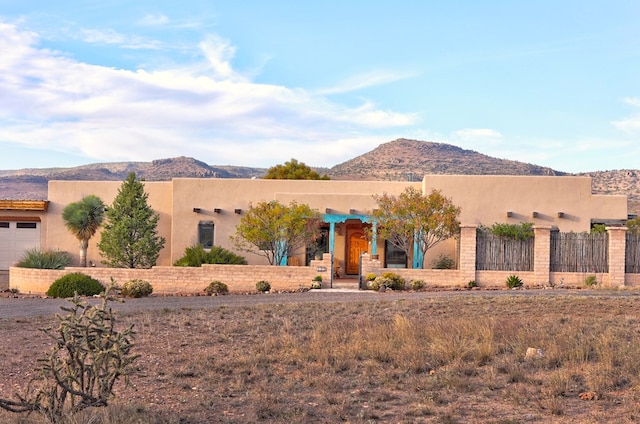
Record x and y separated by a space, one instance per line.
357 244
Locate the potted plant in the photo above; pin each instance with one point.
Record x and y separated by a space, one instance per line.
316 283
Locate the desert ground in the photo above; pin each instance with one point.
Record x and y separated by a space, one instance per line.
358 357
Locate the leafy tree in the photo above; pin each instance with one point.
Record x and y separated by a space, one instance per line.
83 219
633 226
275 231
130 238
293 170
412 217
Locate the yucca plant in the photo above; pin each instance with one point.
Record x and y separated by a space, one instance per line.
48 259
514 281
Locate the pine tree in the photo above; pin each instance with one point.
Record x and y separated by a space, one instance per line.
130 238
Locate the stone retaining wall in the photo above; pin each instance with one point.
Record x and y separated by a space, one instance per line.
172 280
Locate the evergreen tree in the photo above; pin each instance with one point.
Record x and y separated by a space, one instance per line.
130 238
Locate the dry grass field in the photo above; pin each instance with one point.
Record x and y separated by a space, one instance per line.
455 359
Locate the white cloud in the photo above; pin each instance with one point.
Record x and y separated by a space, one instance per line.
630 124
478 136
154 20
208 111
370 79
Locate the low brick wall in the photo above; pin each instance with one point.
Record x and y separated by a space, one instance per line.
172 280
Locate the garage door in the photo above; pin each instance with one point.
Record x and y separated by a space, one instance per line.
15 238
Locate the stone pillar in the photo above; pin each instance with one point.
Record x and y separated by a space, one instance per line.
617 255
467 258
541 255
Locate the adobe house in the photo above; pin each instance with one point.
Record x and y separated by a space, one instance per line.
207 211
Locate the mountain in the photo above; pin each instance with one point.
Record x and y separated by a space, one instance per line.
404 159
400 159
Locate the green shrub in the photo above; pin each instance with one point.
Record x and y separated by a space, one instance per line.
471 284
76 282
374 284
522 231
263 286
514 281
389 280
196 256
48 259
216 287
590 281
443 262
599 229
317 278
371 276
417 284
136 288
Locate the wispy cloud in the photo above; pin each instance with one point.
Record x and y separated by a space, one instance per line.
153 20
366 80
209 111
630 124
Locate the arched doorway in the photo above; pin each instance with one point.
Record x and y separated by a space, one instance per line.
357 243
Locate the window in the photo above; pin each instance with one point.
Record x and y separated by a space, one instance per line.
31 225
394 256
4 225
205 234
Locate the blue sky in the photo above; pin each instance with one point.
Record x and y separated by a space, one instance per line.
256 83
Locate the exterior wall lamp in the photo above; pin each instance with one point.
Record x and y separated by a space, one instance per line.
197 210
238 211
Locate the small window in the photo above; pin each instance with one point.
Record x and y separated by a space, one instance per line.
31 225
4 225
395 257
205 234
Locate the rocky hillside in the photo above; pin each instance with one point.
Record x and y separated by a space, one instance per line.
32 183
400 159
404 159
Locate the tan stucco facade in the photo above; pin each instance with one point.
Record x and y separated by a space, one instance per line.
563 202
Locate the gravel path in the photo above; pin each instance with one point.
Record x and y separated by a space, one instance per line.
21 307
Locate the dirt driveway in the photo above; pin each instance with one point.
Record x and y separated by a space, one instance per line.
21 307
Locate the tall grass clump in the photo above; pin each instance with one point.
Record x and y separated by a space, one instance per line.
47 259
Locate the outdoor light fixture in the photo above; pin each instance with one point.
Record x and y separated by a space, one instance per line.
197 210
217 210
238 211
534 214
560 214
509 214
327 210
352 211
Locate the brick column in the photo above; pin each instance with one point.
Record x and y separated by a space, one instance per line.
617 255
467 258
541 255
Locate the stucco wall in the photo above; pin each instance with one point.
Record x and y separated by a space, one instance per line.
61 193
483 200
486 199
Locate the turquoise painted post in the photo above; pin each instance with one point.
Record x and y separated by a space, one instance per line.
332 237
374 239
417 255
283 261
